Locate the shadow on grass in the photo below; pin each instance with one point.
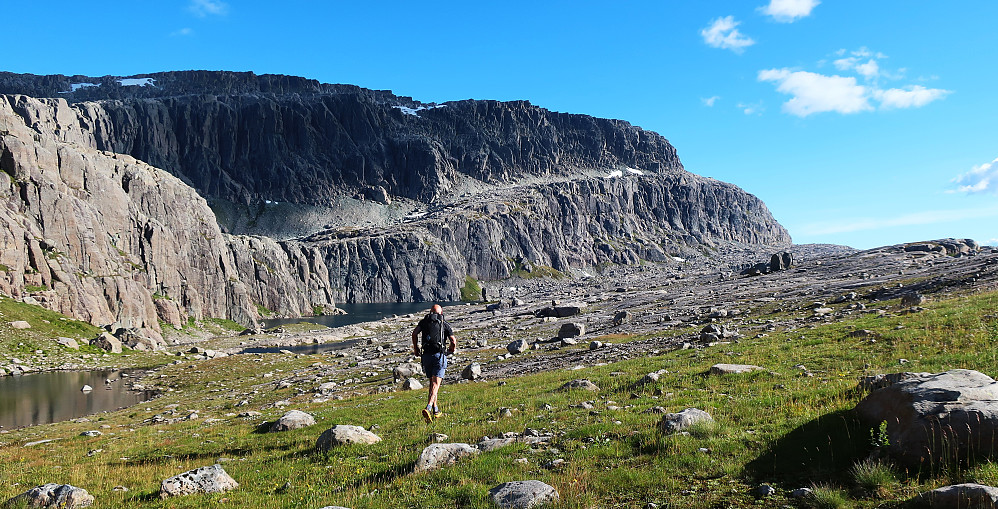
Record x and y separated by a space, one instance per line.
820 450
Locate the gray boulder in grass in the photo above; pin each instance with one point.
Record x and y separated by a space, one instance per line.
344 434
63 496
968 495
211 479
294 419
932 417
523 494
437 456
672 423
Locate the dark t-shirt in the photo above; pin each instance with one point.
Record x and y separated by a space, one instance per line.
424 326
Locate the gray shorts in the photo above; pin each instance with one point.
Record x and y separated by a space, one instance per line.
434 364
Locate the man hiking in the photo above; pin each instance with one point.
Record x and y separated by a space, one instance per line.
438 341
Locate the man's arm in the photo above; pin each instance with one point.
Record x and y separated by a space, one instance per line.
453 344
415 341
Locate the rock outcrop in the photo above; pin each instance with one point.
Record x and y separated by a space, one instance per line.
123 202
63 496
211 479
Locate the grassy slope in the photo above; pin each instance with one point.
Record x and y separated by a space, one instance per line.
775 426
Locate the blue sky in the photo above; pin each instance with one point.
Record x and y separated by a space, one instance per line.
857 122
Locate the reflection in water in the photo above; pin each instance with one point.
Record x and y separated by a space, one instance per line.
41 398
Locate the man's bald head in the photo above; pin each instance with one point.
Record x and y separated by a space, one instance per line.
437 309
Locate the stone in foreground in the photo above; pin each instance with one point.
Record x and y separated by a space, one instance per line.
63 496
968 495
729 369
411 384
211 479
935 417
437 456
295 419
672 423
345 434
523 494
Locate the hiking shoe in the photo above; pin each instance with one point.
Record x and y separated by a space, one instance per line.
438 414
427 416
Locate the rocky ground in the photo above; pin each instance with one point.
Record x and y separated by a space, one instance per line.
628 311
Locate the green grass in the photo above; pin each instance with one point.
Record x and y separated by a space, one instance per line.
773 426
471 291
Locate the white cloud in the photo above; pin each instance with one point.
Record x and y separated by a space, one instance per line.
912 96
182 32
817 93
914 219
788 11
992 242
204 8
750 109
723 33
709 101
980 179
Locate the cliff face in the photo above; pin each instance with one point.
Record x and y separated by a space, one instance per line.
109 239
105 190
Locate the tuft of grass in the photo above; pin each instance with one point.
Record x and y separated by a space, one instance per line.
874 477
472 290
827 497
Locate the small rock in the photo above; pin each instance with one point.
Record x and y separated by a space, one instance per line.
211 479
518 346
595 345
958 495
765 490
93 433
438 438
294 419
572 330
672 423
580 384
622 317
64 496
345 434
523 494
472 371
437 456
727 369
68 343
912 299
801 493
86 388
411 384
20 324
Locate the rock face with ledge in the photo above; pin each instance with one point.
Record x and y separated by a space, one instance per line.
125 201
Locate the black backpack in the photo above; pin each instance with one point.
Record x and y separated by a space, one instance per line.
434 338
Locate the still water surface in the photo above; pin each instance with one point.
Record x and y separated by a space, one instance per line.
41 398
364 312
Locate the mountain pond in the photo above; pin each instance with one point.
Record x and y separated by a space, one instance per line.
42 398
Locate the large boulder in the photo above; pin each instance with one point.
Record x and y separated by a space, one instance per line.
935 416
211 479
523 494
572 330
781 261
107 342
672 423
437 456
518 346
62 496
294 419
343 434
976 496
472 371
